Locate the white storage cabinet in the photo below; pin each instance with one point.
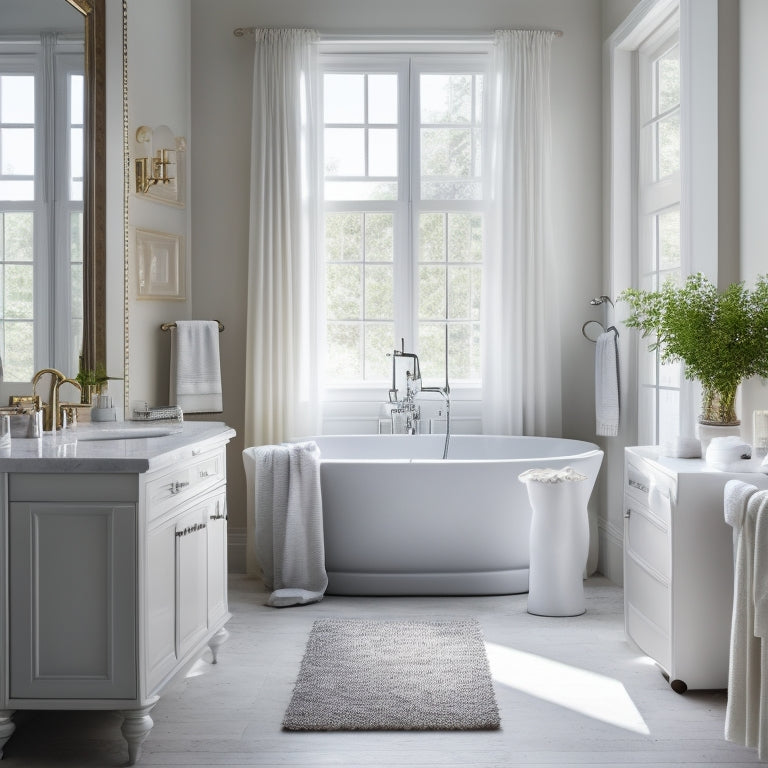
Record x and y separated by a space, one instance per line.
678 566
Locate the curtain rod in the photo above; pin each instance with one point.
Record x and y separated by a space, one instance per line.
453 38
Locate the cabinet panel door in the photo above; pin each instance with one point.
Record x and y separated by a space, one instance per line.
191 577
161 603
73 600
217 559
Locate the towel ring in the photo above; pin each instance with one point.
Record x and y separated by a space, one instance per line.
584 330
168 326
603 329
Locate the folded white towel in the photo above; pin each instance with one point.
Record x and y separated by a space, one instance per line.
288 526
607 384
195 383
736 495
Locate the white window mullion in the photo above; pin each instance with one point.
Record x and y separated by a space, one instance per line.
658 208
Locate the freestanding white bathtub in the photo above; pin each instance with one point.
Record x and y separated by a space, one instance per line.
399 520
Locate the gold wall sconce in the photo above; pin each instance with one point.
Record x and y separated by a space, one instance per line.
158 163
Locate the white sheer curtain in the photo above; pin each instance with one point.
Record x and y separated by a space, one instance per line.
521 351
281 400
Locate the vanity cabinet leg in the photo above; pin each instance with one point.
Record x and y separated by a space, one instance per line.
7 727
214 643
136 727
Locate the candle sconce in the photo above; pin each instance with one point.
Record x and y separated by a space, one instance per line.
158 164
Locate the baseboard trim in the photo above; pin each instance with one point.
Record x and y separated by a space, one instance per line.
236 541
611 561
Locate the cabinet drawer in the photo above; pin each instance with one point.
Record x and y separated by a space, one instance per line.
648 637
184 481
646 594
647 536
644 485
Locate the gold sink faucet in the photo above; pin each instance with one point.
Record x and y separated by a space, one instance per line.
51 405
67 412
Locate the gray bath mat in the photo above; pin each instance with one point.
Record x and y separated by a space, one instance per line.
393 675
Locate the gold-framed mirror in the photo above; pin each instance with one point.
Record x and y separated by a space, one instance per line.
94 190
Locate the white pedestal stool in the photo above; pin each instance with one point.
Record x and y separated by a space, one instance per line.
559 542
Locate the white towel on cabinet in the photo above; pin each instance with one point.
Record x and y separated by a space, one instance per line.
607 384
760 582
741 502
195 368
288 526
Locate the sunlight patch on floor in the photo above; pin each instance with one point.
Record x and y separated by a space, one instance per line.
197 669
591 694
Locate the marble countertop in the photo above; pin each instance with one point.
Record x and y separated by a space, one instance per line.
123 446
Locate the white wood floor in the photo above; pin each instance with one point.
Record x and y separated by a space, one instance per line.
571 691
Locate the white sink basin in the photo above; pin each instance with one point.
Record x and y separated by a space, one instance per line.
124 433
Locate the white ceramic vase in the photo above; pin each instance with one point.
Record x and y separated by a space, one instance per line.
559 546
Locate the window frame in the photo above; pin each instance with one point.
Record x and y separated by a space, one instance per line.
410 63
655 197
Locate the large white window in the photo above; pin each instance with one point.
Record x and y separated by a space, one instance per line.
658 217
403 215
41 205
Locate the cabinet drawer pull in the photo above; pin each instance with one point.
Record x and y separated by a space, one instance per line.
191 529
639 486
627 513
203 473
197 451
177 486
218 516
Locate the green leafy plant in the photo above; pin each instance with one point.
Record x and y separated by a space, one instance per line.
721 336
92 376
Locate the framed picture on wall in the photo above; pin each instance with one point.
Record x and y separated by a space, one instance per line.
160 265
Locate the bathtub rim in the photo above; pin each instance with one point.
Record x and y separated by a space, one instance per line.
593 450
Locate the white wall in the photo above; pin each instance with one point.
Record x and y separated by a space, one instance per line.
221 114
613 13
158 94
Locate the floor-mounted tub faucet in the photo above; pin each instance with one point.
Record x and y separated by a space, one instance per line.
406 413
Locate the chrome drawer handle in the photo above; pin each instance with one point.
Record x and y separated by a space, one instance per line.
191 529
639 486
218 516
177 486
203 473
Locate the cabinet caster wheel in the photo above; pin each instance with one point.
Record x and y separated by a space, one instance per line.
678 686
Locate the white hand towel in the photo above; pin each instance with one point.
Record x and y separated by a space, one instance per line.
736 495
742 713
195 369
288 528
607 384
760 582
